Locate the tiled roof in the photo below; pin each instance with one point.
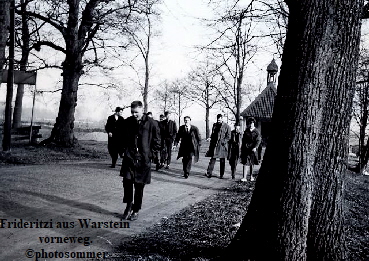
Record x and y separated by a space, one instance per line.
262 106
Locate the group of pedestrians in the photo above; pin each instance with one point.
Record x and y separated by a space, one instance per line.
140 140
235 146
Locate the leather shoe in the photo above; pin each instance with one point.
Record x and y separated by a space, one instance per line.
133 216
186 175
127 211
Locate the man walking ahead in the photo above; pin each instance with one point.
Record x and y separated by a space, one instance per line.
114 127
168 135
220 135
190 144
141 142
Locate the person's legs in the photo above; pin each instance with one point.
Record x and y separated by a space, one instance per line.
251 176
169 145
163 153
127 196
233 168
139 188
187 162
244 173
113 152
222 167
210 167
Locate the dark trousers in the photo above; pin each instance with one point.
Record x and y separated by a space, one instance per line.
114 150
135 197
212 163
233 163
187 162
168 143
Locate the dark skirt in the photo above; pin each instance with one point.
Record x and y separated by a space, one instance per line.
250 158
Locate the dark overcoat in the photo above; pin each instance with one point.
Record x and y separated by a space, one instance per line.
115 143
196 142
250 140
169 130
218 147
234 146
141 143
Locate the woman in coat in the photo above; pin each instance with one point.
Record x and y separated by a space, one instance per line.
250 142
190 138
220 135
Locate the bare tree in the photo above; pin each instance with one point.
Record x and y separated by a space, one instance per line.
361 110
78 23
141 30
10 78
24 43
296 208
162 96
202 83
179 99
274 16
234 47
4 32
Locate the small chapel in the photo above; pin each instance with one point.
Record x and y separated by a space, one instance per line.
262 107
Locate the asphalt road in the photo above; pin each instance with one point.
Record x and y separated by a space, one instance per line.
60 198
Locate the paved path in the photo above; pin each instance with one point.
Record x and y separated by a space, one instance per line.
69 191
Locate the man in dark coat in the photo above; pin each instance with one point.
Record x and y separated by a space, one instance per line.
220 135
156 157
168 135
114 127
190 138
234 145
141 143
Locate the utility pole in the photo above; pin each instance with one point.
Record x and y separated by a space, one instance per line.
10 82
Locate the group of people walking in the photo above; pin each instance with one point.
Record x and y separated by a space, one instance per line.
235 146
140 140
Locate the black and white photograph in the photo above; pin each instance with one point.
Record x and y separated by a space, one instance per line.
197 130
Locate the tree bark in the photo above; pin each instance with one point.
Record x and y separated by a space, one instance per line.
4 23
17 113
10 82
296 208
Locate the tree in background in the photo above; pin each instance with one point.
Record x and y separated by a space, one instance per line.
361 110
179 99
274 15
4 31
141 29
162 96
234 47
78 23
296 208
202 83
24 43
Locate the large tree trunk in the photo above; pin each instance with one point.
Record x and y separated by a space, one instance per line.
4 32
17 113
296 209
63 131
